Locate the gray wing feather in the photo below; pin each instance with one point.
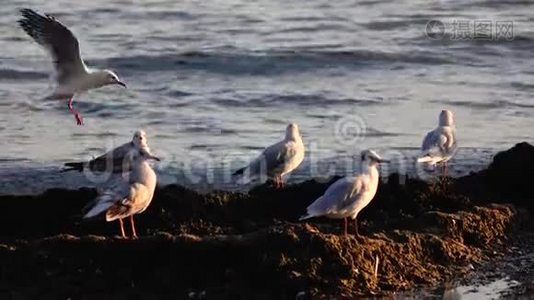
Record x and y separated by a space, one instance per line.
441 141
428 141
337 197
108 198
137 201
270 159
119 159
57 39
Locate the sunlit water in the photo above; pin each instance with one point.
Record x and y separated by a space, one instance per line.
495 289
214 82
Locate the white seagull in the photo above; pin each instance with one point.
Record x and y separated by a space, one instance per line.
127 199
117 160
440 144
279 159
346 197
71 74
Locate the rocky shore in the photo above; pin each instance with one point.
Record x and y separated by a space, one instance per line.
242 246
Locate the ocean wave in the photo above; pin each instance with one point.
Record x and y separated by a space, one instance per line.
270 62
312 100
484 105
375 133
14 74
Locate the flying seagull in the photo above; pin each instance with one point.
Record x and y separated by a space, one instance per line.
440 144
279 159
118 160
346 197
71 74
127 198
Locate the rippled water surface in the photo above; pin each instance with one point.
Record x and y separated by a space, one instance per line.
212 82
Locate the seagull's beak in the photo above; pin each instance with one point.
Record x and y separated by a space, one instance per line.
154 157
121 84
383 161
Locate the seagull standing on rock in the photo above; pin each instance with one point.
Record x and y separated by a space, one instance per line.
279 159
127 199
346 197
440 144
71 74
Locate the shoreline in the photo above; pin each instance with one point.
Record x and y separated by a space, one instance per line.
36 178
422 234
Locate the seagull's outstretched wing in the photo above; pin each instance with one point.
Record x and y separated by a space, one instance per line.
116 160
118 194
57 39
272 158
438 144
337 198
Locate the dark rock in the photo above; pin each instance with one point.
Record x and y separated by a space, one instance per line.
235 245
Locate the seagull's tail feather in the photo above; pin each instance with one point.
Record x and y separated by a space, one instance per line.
313 210
424 159
73 166
98 206
90 205
239 172
305 217
429 159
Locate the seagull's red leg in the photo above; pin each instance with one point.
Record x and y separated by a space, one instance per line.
134 234
280 182
356 228
276 182
122 228
77 115
445 169
346 226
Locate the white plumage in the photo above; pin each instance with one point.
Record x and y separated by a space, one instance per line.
346 197
127 198
440 144
71 74
279 159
